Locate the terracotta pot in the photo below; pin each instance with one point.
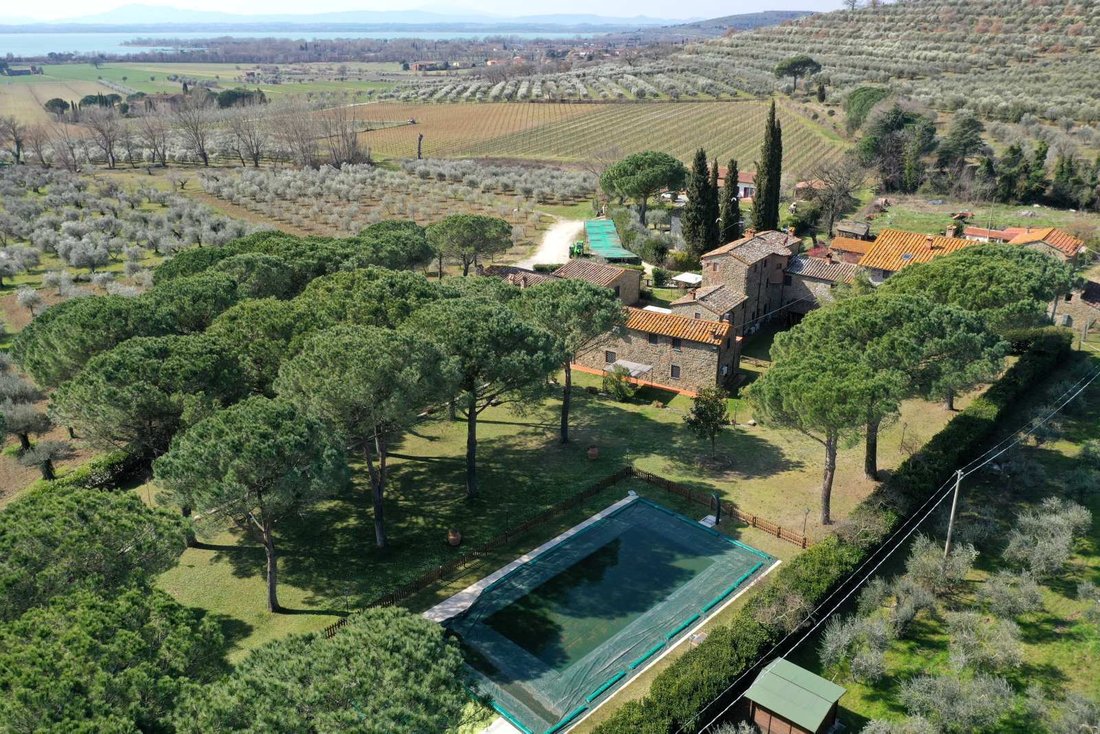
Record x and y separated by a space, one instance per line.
593 453
454 537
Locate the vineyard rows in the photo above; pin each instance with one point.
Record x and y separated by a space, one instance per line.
450 127
731 129
577 133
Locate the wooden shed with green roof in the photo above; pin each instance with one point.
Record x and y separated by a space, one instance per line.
787 699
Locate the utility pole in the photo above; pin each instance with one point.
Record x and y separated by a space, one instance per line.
951 520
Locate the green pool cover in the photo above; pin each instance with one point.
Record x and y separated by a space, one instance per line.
560 633
603 241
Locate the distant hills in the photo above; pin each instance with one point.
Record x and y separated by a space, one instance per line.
145 17
717 27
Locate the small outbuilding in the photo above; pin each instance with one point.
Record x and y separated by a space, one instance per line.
787 699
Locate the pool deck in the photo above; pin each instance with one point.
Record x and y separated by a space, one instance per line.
464 599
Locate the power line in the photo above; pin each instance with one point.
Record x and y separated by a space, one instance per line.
1012 436
886 548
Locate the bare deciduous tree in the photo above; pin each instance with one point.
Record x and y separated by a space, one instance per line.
340 131
64 145
194 121
251 137
153 131
105 130
295 127
38 142
838 183
13 131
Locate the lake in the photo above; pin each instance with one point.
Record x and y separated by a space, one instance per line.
41 44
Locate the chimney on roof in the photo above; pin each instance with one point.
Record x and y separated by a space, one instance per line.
790 231
750 233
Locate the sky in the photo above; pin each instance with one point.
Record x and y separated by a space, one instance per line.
60 9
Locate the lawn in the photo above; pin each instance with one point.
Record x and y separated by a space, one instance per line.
1061 649
329 564
24 96
921 214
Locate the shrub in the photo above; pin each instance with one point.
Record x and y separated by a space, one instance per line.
927 568
979 642
1006 594
1042 539
617 385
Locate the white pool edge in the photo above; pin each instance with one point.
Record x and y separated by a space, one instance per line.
463 600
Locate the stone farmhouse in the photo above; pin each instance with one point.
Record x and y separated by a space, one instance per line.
1080 309
742 281
667 351
1050 240
848 249
808 282
626 282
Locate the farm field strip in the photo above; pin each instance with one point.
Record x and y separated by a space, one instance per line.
24 100
450 128
733 129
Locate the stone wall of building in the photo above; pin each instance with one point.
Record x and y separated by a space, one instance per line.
700 365
801 295
628 287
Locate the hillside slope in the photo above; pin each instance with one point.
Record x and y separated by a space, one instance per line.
1001 58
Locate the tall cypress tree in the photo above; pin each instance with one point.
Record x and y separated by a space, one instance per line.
730 206
765 202
693 219
713 228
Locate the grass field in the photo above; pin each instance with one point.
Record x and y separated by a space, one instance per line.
329 563
1061 648
923 214
579 133
24 95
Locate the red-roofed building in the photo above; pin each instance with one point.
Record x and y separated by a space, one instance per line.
667 351
1052 241
746 182
895 250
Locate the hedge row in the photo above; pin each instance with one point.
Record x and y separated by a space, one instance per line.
680 692
106 471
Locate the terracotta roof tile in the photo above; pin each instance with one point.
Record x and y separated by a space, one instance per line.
680 327
820 268
848 244
998 235
589 270
894 249
1062 241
